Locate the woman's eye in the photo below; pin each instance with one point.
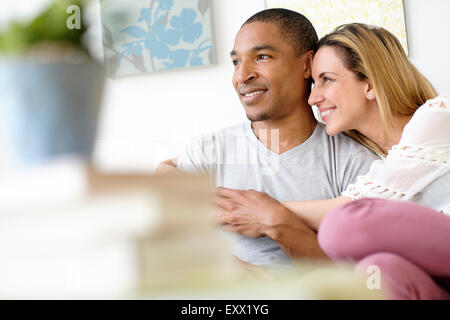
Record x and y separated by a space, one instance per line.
326 80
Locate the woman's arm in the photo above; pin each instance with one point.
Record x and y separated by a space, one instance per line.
312 212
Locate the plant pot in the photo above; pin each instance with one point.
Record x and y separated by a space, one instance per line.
49 109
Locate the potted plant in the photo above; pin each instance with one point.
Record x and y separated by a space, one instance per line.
50 86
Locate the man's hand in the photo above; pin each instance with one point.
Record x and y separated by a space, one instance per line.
256 214
248 212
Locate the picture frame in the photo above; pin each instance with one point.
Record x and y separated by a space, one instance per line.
326 15
147 36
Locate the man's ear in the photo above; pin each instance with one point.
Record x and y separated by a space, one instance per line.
369 92
307 63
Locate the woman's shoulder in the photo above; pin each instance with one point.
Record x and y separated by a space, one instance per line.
427 134
429 126
440 103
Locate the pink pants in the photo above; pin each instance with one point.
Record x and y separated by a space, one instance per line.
409 243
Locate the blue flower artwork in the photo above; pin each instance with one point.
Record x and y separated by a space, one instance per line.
141 36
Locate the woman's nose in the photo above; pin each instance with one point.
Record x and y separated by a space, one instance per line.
314 96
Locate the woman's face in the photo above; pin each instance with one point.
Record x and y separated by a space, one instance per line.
340 96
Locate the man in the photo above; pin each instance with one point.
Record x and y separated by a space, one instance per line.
282 152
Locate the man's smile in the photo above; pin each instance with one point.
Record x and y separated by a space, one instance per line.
252 96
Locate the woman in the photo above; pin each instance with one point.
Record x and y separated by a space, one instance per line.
365 86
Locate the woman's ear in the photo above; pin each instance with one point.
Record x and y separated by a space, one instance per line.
370 92
307 63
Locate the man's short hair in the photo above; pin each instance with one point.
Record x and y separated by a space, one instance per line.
294 27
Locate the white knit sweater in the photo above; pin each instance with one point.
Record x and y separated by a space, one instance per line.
421 156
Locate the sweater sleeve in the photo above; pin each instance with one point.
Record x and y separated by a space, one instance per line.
421 156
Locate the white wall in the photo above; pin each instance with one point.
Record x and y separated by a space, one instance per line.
150 117
428 28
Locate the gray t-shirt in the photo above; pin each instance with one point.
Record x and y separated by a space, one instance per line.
319 168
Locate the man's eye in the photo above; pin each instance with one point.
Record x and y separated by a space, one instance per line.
263 57
236 62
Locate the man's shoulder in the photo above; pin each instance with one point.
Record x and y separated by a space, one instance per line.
240 127
234 130
347 146
344 140
222 140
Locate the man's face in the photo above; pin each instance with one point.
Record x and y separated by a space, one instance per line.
268 77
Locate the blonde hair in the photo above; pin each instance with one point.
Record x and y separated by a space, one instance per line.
376 56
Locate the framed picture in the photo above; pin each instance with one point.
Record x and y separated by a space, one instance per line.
142 36
326 15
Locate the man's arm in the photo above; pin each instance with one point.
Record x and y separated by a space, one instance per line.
167 167
256 214
296 239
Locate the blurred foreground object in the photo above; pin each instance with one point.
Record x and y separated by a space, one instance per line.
50 86
49 26
68 231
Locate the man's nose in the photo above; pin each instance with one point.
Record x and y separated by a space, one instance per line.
314 97
245 73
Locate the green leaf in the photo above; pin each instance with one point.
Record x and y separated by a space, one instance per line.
47 26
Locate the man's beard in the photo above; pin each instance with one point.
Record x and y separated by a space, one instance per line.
259 117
